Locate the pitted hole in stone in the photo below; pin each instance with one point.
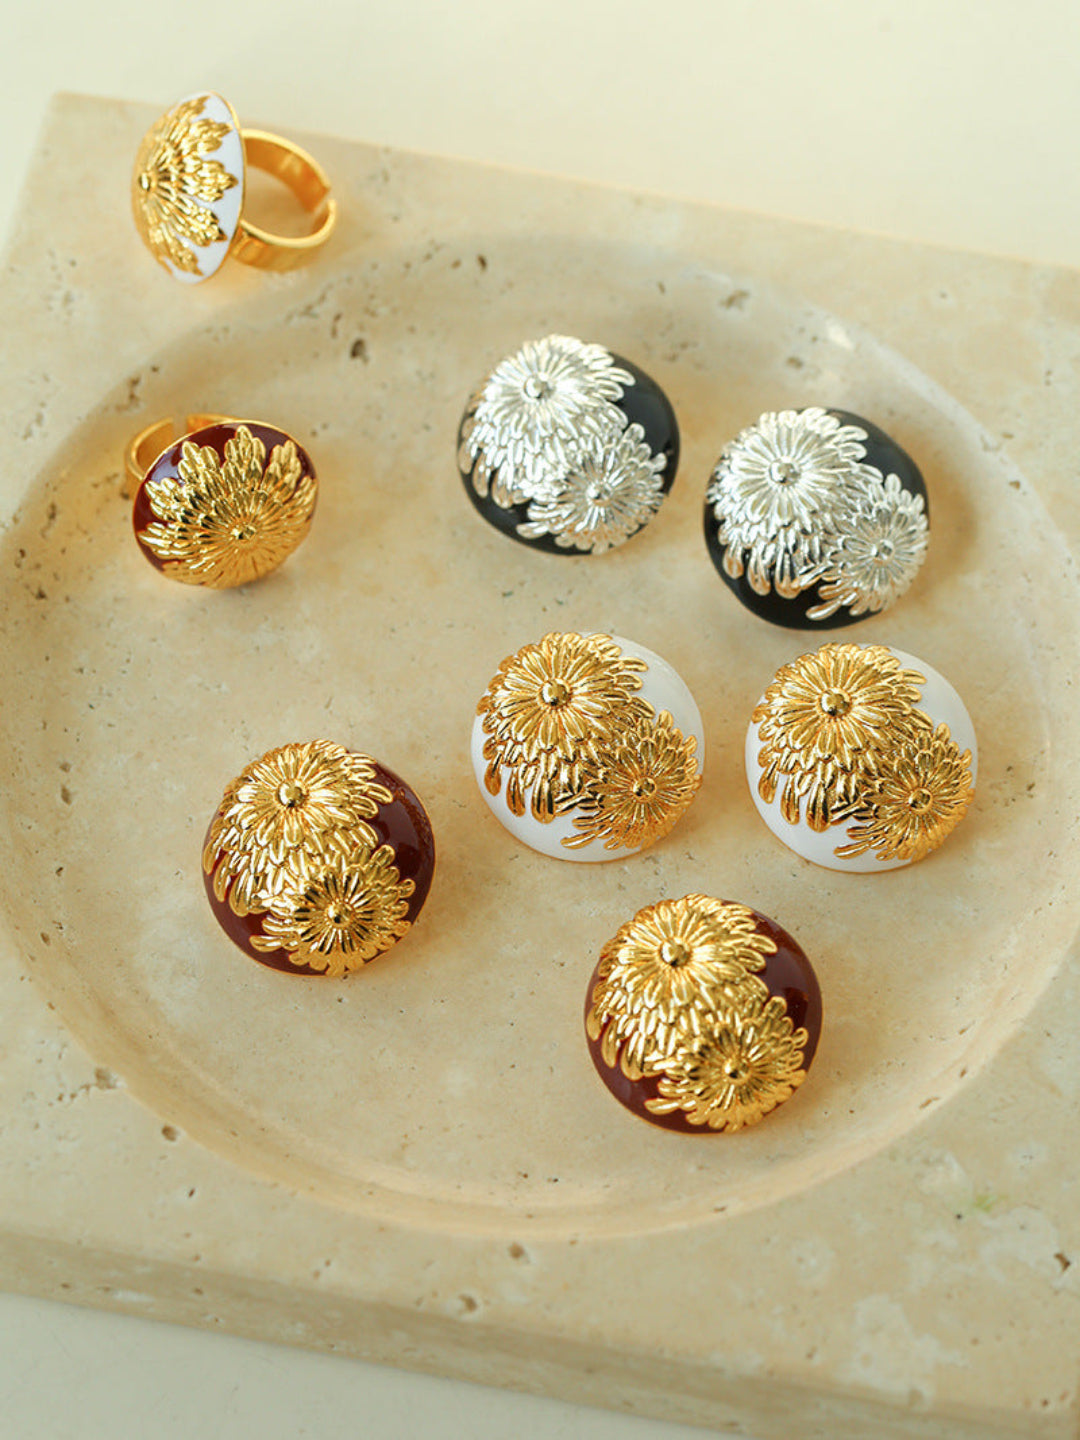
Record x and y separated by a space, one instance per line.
554 693
835 704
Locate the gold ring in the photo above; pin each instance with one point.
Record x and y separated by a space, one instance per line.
221 504
187 191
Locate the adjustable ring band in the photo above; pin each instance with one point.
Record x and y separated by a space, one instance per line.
308 182
144 448
188 191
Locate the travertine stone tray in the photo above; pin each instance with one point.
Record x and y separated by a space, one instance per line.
419 1165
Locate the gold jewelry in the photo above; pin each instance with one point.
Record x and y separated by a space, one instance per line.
188 185
222 504
317 859
702 1015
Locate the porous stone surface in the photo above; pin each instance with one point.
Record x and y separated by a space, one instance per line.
418 1165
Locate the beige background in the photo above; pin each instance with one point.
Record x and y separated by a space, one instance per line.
948 122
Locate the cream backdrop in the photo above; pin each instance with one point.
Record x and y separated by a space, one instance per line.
953 121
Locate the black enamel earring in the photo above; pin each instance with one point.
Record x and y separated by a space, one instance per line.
567 447
816 518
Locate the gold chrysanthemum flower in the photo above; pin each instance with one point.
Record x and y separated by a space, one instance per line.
914 802
290 811
748 1060
548 710
665 973
636 792
827 720
175 184
347 913
223 523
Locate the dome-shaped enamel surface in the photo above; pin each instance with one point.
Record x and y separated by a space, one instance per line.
702 1015
587 747
861 757
567 447
187 187
225 505
317 859
816 518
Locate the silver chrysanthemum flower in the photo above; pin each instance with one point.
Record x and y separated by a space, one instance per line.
781 490
536 411
879 553
614 489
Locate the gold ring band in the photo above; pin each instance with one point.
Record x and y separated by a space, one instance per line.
307 180
144 448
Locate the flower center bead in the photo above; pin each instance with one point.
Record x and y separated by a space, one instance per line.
644 787
919 801
674 953
835 703
554 693
240 533
537 388
291 794
783 472
883 550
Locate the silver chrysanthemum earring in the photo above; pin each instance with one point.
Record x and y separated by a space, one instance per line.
816 518
567 447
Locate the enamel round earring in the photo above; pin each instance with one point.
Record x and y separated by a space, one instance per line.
816 518
567 447
861 757
317 859
702 1015
587 747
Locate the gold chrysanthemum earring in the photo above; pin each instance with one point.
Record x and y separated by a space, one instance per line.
587 747
223 504
702 1015
317 859
188 188
861 757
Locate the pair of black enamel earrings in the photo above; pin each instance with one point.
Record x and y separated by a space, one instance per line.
814 517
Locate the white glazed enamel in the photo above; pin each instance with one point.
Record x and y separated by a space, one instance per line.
938 700
664 689
230 154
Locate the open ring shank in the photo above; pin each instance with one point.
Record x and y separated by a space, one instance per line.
307 180
145 447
